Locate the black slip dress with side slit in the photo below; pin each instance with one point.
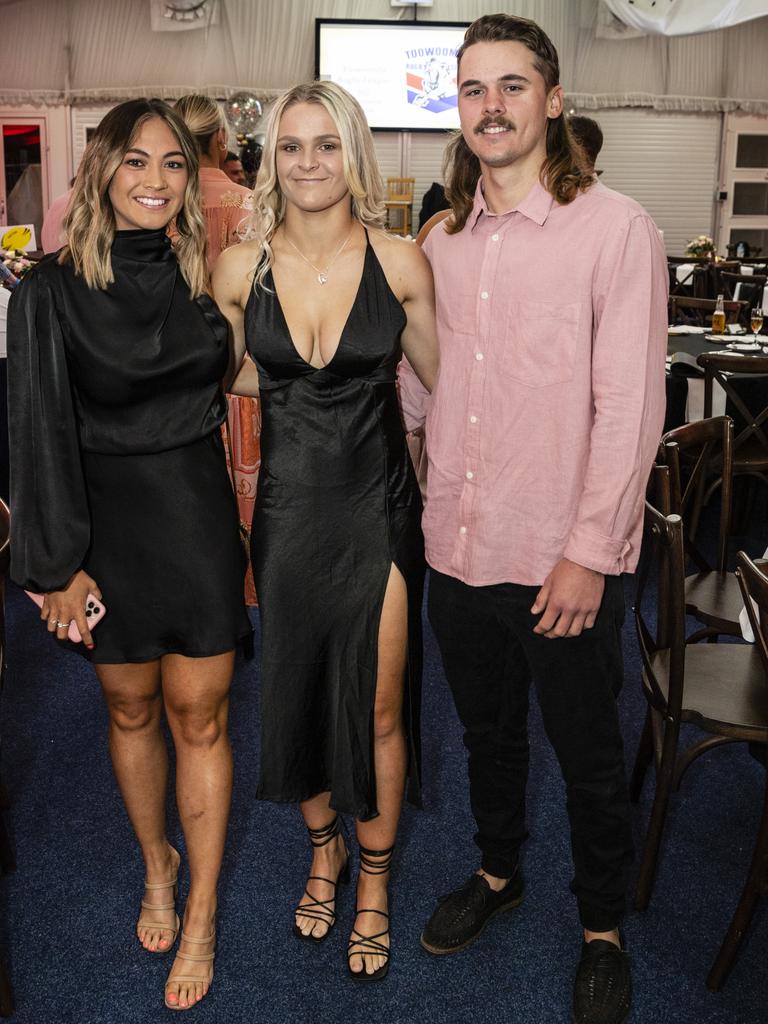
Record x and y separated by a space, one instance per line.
337 506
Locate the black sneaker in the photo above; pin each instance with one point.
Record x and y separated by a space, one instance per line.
461 915
602 991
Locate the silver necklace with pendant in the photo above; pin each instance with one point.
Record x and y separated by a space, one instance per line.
322 275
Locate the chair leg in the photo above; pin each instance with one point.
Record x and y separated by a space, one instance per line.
7 1006
643 758
685 760
7 854
664 779
756 880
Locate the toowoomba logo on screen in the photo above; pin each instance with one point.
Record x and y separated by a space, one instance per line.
430 77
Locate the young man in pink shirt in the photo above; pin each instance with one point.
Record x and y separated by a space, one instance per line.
541 431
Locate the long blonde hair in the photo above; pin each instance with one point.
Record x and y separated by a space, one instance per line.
361 169
90 221
203 116
564 172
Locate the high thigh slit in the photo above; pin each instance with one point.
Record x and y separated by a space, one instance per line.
337 506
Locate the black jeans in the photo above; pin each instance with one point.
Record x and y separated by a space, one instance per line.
491 654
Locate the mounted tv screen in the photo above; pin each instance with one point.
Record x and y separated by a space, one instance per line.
403 73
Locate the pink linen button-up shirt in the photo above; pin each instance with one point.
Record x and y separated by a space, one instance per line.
549 404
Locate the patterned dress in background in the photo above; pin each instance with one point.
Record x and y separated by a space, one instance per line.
225 205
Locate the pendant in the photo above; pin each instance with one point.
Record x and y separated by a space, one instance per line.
321 278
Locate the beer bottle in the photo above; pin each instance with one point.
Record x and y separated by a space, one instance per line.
718 317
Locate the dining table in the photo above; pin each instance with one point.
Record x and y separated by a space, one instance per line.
685 379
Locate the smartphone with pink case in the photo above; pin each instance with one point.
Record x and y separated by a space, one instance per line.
94 611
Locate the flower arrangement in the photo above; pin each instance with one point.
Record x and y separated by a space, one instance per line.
15 261
701 245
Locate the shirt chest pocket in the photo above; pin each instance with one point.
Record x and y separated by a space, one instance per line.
540 342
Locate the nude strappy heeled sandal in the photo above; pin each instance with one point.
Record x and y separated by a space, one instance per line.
190 979
173 883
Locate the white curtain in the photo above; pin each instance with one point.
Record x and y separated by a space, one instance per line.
685 17
81 51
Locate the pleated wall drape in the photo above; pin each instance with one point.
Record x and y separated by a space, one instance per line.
87 51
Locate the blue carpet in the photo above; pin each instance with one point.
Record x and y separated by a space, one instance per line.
72 903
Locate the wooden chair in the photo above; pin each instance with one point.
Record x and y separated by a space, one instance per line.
692 453
750 292
684 309
7 857
399 205
718 687
749 410
691 282
754 585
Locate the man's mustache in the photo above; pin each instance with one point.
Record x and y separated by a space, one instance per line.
497 122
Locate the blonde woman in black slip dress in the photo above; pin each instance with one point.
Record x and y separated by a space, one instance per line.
326 302
119 487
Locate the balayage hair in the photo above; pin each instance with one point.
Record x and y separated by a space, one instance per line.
203 116
361 169
90 221
563 172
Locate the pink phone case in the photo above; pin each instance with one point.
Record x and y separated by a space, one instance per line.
94 610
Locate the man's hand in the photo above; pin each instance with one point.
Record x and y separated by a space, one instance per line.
569 599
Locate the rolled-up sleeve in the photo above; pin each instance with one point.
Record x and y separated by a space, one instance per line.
628 353
50 521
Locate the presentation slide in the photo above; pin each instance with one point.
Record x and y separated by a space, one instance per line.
404 76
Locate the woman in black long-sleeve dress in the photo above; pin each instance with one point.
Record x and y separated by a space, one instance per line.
119 488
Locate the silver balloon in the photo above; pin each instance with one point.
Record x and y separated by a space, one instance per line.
243 112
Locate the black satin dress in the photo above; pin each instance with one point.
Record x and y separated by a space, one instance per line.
117 463
337 504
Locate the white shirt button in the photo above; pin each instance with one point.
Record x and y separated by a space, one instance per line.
483 295
470 474
462 529
479 356
473 419
494 238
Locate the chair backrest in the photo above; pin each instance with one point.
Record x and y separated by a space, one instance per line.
400 188
694 454
754 586
750 288
687 310
662 557
718 367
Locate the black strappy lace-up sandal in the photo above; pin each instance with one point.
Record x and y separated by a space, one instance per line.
323 910
372 862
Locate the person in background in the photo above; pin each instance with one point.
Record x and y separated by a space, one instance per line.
5 297
233 168
119 490
52 232
432 202
551 298
225 205
589 136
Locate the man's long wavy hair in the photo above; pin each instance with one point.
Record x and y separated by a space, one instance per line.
90 221
563 172
361 168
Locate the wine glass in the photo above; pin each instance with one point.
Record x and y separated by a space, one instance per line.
756 323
